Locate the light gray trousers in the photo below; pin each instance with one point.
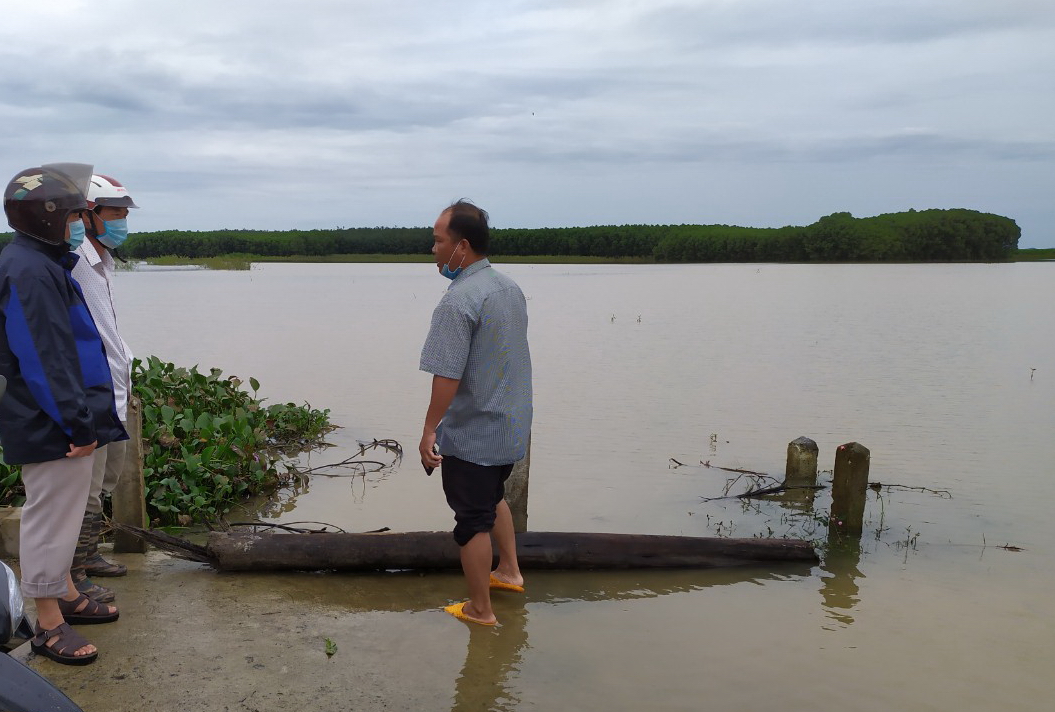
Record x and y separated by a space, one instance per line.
56 495
109 462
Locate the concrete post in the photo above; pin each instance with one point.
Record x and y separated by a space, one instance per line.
517 491
801 470
10 527
849 487
129 496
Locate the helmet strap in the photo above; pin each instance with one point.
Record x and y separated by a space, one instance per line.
91 230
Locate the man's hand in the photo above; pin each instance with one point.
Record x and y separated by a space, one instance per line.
81 450
430 460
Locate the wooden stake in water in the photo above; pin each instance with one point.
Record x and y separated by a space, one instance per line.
517 492
849 487
801 470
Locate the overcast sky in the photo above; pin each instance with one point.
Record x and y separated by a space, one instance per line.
324 113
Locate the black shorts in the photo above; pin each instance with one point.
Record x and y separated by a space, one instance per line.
473 492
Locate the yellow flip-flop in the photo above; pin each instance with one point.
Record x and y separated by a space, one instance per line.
456 611
500 585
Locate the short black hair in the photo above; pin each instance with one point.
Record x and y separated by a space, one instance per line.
469 222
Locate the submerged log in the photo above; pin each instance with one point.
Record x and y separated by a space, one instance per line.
239 551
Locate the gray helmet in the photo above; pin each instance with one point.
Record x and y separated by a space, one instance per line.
38 201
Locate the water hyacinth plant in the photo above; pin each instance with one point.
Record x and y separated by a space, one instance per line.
207 443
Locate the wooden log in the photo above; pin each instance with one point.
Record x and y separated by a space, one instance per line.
238 551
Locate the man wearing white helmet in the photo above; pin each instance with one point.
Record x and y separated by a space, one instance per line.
106 228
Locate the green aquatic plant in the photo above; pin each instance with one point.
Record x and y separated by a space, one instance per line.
11 492
208 443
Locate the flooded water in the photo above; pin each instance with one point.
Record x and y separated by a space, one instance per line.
945 372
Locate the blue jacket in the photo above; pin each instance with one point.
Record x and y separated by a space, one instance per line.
59 390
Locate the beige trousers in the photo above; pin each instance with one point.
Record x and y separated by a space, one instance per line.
56 494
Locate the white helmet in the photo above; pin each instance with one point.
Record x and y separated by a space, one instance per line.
106 191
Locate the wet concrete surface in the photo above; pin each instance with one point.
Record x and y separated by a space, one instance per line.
192 639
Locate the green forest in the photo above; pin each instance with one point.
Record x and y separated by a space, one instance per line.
913 236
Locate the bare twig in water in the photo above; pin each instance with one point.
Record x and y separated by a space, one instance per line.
389 444
944 494
289 527
734 469
762 491
360 467
777 489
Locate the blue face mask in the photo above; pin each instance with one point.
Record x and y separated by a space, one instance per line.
449 273
116 232
76 234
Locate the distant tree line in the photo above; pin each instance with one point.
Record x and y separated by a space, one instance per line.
923 236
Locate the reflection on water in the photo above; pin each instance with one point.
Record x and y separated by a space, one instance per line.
492 661
839 590
489 680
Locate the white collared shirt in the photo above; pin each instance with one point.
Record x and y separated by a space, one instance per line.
94 272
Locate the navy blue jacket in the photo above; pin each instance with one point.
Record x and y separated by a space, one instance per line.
59 390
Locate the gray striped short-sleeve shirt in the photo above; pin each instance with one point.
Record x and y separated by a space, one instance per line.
479 337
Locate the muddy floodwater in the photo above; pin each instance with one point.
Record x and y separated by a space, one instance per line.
946 373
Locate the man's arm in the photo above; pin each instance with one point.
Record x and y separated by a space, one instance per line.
443 391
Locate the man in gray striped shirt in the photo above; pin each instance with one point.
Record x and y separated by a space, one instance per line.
479 416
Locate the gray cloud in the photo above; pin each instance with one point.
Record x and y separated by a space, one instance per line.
327 112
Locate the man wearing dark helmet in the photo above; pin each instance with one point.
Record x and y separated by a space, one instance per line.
59 405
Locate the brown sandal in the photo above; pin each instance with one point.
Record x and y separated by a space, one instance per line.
67 643
90 612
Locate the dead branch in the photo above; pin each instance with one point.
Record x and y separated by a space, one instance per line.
733 469
776 489
180 548
360 466
944 494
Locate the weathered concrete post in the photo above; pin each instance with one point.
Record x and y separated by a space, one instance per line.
849 487
801 470
129 496
517 491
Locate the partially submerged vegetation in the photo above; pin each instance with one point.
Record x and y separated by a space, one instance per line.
208 444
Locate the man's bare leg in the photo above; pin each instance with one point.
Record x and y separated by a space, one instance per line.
476 565
508 568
